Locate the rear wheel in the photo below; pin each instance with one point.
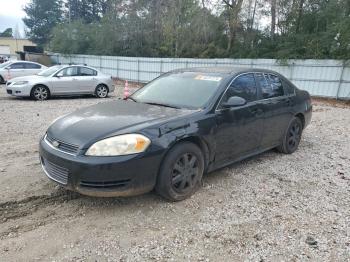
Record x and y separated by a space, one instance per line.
2 81
292 137
40 92
181 172
101 91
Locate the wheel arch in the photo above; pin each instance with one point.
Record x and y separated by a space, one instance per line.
198 141
302 118
103 84
39 84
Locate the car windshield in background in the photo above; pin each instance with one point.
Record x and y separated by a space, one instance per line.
5 64
49 71
184 89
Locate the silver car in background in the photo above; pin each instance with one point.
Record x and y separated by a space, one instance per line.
62 80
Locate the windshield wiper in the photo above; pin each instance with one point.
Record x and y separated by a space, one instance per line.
160 104
132 99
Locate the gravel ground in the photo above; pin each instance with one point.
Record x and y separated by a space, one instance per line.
272 207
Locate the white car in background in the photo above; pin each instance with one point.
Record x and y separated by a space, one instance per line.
12 69
62 80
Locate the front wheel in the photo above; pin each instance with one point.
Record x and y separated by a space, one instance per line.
40 93
101 91
292 137
181 172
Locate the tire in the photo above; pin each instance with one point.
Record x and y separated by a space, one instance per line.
101 91
291 137
2 81
181 172
40 93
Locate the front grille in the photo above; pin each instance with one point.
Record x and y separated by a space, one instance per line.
105 184
65 147
9 92
55 172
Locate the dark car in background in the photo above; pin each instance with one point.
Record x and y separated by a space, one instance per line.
173 130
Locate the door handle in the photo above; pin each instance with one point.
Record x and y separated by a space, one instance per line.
288 101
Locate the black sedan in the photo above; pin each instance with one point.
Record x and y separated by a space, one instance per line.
173 130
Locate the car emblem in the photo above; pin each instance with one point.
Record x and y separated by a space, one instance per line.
55 144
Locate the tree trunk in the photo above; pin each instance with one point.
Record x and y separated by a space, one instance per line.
234 8
273 18
300 14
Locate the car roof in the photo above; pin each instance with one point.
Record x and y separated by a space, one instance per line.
75 65
224 70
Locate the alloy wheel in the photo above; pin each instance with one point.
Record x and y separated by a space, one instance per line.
41 93
294 135
102 91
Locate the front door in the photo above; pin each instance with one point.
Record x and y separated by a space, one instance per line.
65 81
239 129
16 70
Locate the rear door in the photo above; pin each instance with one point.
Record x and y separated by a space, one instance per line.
87 79
65 81
239 129
277 106
32 68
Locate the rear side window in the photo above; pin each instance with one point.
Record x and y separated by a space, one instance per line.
271 85
243 86
17 66
32 66
84 71
288 87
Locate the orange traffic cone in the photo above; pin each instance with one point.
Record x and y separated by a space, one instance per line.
126 90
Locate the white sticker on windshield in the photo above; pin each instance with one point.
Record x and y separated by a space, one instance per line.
208 78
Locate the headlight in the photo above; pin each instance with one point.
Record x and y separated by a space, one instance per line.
19 83
119 145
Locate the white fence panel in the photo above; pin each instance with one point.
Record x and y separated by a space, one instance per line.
326 78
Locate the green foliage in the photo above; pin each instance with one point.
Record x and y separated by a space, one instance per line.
42 17
7 33
191 28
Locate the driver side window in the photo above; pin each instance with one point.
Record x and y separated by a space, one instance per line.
243 86
69 71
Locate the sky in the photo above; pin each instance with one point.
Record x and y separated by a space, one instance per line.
11 13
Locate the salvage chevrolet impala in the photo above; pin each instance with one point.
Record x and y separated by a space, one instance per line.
173 130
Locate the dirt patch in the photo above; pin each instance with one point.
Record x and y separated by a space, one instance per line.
270 207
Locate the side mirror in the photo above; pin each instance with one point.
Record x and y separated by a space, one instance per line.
234 101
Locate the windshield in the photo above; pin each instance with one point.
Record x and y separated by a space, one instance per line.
183 89
49 71
5 64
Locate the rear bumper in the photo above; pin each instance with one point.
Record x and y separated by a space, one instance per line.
101 176
308 116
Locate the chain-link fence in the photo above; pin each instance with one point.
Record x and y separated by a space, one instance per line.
323 78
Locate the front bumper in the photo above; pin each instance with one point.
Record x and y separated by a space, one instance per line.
101 176
21 90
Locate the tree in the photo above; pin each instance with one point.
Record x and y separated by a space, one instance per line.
233 8
273 18
42 16
6 33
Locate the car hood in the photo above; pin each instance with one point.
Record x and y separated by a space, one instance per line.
88 125
25 78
